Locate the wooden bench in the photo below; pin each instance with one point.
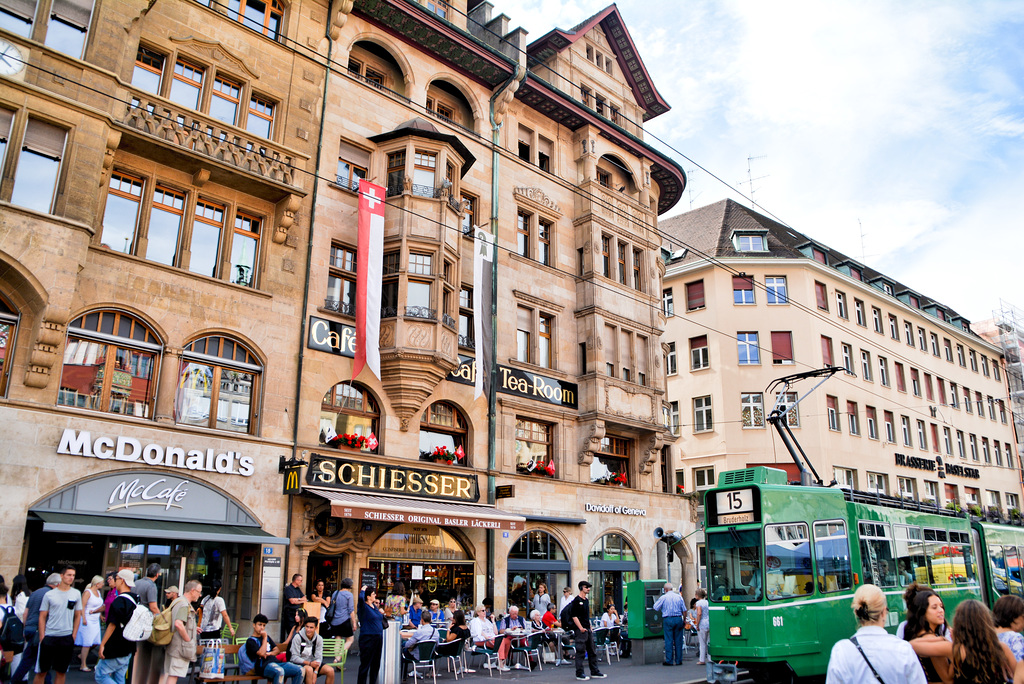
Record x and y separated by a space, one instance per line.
333 651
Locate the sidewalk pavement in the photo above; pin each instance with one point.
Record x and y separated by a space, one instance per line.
619 672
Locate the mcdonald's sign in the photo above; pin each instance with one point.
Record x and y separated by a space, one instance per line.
292 481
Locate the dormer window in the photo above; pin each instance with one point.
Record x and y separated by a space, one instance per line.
749 242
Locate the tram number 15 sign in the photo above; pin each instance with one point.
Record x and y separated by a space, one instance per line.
735 506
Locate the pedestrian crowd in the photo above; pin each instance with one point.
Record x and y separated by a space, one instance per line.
981 646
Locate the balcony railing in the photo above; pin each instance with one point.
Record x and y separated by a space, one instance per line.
199 134
448 321
467 341
426 191
344 308
421 312
388 312
349 183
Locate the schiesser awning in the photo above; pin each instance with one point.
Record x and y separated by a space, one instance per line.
398 509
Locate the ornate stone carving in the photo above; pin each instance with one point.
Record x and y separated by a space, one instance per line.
387 335
591 443
537 196
419 336
44 353
506 93
286 209
113 141
340 18
199 135
650 452
628 403
215 50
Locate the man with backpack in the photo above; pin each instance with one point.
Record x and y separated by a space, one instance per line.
28 656
116 651
307 651
261 652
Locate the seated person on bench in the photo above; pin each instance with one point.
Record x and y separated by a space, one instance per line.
262 652
307 651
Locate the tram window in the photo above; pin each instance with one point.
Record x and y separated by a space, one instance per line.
998 567
832 551
734 572
1012 569
787 553
911 558
970 571
877 563
945 558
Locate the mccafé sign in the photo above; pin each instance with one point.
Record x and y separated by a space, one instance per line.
377 478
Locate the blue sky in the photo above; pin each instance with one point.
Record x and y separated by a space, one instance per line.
892 131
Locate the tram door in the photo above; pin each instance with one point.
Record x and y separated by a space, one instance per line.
982 559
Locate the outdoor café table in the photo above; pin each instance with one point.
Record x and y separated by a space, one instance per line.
558 632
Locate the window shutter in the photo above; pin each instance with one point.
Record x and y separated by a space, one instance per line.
45 138
698 342
821 295
26 9
6 117
356 155
525 319
826 350
782 347
695 295
73 11
742 283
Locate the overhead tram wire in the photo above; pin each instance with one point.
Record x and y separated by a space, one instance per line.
625 292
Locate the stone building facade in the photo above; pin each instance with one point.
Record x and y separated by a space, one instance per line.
919 410
178 210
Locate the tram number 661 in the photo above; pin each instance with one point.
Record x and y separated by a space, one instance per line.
777 621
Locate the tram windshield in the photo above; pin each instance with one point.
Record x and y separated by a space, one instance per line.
734 567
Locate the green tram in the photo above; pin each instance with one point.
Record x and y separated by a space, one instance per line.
784 560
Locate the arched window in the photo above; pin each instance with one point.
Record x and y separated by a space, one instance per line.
612 564
443 434
109 364
349 412
261 16
8 336
536 558
217 372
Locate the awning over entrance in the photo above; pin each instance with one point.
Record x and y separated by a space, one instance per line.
401 510
159 529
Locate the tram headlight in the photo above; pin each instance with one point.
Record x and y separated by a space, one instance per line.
735 631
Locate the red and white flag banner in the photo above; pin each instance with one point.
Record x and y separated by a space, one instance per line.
369 271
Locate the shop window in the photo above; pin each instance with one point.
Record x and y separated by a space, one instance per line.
8 338
264 17
611 465
534 453
217 385
612 564
430 561
341 280
110 364
536 559
350 414
443 430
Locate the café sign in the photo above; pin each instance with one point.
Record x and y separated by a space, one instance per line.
521 384
936 465
377 478
331 337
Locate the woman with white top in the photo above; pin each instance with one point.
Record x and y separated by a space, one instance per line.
611 617
89 631
872 653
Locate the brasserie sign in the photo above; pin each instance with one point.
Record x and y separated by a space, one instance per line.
377 478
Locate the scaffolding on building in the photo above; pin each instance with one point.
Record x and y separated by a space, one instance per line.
1009 325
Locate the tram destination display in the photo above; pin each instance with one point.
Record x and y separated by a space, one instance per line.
735 506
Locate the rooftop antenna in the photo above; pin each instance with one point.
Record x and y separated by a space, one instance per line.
689 186
751 179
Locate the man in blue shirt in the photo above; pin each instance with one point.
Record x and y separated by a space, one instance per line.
28 658
672 607
262 652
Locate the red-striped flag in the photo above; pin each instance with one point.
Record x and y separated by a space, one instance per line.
369 267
